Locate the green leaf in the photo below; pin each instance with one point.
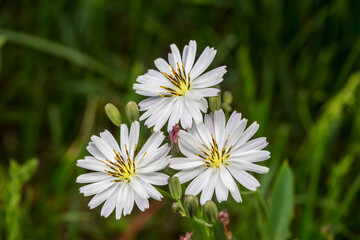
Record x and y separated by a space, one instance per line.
282 203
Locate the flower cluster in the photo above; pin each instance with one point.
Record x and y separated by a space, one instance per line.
216 154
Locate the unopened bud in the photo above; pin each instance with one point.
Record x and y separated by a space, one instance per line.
132 111
113 114
191 204
228 97
176 207
175 188
211 211
215 102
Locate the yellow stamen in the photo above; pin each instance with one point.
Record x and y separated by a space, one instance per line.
214 157
179 79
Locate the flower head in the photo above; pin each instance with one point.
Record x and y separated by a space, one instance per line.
123 175
216 153
177 90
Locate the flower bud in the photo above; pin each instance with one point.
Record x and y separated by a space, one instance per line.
191 204
132 111
113 114
228 97
176 207
215 102
211 211
175 188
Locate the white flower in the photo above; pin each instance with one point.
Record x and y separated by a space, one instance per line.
123 176
216 153
176 92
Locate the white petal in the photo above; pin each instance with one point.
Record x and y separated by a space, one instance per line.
206 92
250 156
198 184
203 62
176 55
155 166
255 144
120 200
134 137
175 115
102 196
248 166
209 123
221 190
151 144
93 150
248 133
89 164
138 188
153 156
219 124
153 193
227 179
110 140
185 117
92 177
193 109
155 178
233 123
208 190
129 202
210 78
244 178
186 175
124 138
109 204
95 188
162 65
185 163
190 56
236 195
103 147
142 203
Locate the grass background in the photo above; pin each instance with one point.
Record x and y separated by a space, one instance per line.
293 66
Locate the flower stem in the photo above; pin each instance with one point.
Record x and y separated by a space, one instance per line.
163 192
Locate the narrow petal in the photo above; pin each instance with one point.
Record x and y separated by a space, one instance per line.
203 62
92 177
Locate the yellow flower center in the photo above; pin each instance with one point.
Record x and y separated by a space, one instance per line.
123 169
214 157
179 79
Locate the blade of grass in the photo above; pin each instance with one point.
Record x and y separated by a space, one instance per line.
56 49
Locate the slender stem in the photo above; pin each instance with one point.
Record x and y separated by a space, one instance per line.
203 222
163 192
263 205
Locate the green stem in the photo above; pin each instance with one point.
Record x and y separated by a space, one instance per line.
263 205
163 192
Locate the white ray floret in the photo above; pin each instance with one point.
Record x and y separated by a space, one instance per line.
122 176
217 154
177 90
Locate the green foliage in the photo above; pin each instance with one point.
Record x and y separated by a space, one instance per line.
282 204
18 176
292 66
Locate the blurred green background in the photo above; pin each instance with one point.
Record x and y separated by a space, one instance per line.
293 66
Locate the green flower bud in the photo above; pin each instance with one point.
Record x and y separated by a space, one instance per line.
211 211
176 207
113 114
175 188
132 111
191 204
228 97
215 102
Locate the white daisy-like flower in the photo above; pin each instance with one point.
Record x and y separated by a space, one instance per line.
216 153
122 175
178 89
